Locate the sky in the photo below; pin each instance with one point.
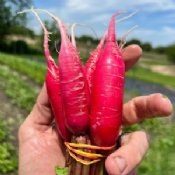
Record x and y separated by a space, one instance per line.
155 18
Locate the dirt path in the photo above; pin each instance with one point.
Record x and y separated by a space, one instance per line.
164 69
11 114
13 117
9 111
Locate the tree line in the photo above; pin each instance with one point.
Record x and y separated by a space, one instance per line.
13 24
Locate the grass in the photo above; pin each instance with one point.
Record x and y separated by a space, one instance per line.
151 58
21 93
152 77
8 157
32 69
149 62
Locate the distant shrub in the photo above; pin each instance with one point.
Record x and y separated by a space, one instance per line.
170 51
88 39
19 47
147 47
160 50
134 41
4 46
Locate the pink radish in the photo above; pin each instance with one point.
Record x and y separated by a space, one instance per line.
53 85
107 92
90 65
73 89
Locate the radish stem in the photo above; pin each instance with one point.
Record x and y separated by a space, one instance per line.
86 168
73 32
71 166
127 17
78 167
123 40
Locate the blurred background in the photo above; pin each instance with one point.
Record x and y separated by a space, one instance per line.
22 65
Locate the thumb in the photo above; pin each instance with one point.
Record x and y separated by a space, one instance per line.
129 155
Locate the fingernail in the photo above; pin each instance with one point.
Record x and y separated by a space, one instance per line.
121 163
164 96
166 99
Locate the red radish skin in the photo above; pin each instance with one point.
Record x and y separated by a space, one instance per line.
53 87
73 90
73 41
90 65
107 92
72 84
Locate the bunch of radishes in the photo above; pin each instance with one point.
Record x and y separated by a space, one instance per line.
86 100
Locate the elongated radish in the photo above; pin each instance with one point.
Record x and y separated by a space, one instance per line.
90 65
53 90
107 92
73 90
53 85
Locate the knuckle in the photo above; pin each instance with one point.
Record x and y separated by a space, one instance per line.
145 139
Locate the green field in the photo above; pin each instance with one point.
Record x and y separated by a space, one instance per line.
21 80
152 77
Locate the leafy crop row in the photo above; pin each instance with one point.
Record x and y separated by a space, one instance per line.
32 69
149 76
21 93
160 158
8 157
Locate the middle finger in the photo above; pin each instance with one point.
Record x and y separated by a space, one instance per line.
143 107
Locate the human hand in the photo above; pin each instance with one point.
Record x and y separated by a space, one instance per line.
41 148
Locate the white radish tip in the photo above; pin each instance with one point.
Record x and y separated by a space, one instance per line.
26 10
91 28
123 40
127 17
56 47
46 33
124 18
83 25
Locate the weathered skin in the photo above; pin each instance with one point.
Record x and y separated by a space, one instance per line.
107 93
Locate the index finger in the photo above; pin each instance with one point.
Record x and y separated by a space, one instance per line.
131 55
140 108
